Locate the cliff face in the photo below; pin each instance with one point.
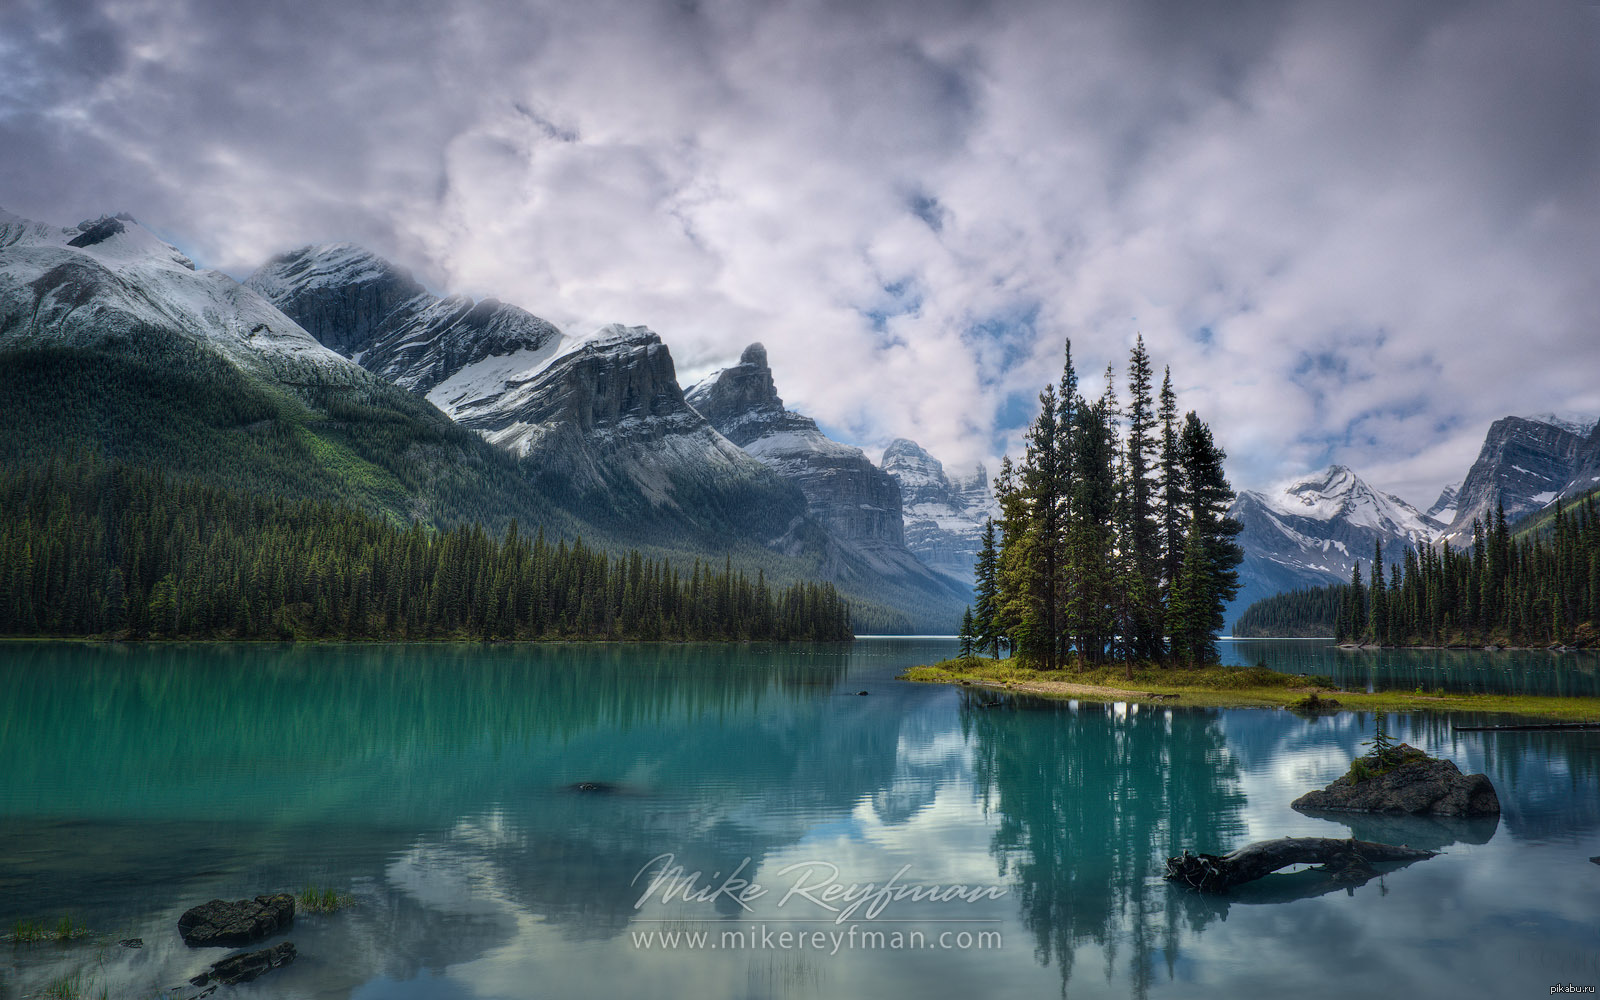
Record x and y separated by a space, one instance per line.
599 419
943 516
1525 463
375 313
855 499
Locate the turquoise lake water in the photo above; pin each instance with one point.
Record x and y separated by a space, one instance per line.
435 785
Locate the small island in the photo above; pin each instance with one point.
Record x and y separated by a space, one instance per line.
1231 687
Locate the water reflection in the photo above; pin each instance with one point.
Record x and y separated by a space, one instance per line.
1089 802
434 784
1513 671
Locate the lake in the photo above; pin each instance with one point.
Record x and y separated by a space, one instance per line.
918 841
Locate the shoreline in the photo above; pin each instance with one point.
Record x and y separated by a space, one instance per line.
1233 687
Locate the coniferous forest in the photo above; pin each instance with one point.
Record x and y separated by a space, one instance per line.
92 547
1530 589
1307 613
1113 542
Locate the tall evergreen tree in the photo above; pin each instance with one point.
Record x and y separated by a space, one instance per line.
1208 578
985 629
1143 542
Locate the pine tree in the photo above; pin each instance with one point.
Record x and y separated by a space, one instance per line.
1208 578
1143 542
985 630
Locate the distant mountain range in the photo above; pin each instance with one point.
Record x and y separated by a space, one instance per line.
1311 531
333 373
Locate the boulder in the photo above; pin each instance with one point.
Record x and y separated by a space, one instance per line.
1405 780
220 923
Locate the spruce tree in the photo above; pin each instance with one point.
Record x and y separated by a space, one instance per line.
985 632
1208 578
1143 542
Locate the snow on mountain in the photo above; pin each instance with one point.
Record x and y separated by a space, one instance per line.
1311 531
1340 494
1574 423
943 517
376 314
1443 510
111 278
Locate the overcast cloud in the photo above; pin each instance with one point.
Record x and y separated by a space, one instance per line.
1358 232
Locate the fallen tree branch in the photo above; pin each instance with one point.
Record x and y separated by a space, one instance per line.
1213 873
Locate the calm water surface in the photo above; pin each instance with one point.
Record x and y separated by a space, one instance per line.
434 784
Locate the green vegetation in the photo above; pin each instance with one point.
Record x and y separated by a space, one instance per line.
315 900
162 403
32 931
1308 613
1112 546
340 436
1535 590
1531 585
1231 687
89 547
28 932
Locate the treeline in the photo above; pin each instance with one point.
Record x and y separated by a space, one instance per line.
1306 613
1113 542
92 547
1529 591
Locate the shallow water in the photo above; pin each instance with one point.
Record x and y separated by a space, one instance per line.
434 784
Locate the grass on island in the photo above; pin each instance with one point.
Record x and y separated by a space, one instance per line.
34 931
316 900
76 986
1234 687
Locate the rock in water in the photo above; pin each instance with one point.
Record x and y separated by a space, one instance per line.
245 966
220 923
1417 784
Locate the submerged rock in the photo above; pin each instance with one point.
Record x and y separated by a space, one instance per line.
220 923
245 966
1405 780
595 787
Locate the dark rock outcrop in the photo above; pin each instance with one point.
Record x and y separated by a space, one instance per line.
245 966
1413 783
220 923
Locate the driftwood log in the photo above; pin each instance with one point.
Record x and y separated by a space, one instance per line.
1214 873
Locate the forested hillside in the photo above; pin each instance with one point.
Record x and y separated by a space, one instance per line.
93 547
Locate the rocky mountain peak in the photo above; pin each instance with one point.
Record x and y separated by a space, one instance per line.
943 516
1525 463
374 312
743 402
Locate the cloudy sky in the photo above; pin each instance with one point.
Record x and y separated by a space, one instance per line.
1357 232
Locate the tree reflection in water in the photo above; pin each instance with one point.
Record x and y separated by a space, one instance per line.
1090 801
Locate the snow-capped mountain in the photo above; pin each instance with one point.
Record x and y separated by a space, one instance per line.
855 500
375 313
109 280
1526 463
1309 532
599 416
601 420
135 353
943 517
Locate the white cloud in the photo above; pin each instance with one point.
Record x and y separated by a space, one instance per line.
1355 235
